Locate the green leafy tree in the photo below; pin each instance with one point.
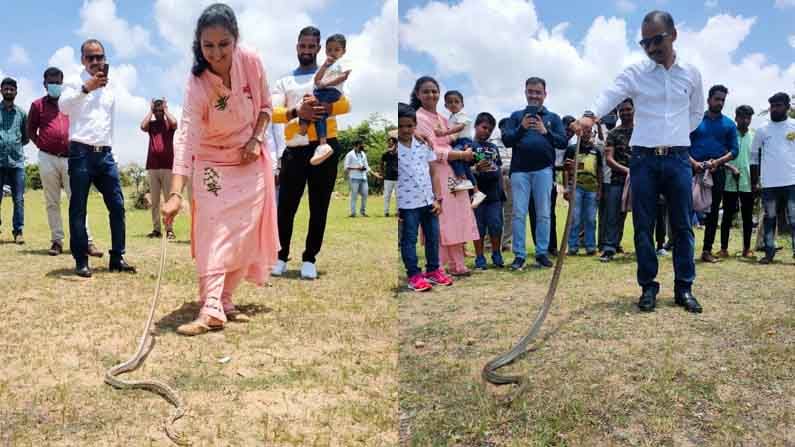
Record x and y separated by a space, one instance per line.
373 133
32 177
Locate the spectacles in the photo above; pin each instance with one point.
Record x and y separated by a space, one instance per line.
656 40
95 57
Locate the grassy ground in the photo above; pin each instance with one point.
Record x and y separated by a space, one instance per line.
316 366
603 374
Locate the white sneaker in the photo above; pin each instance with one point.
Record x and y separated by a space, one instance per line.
464 185
279 269
477 199
322 152
662 252
308 271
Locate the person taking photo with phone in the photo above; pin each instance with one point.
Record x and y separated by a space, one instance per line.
90 106
160 159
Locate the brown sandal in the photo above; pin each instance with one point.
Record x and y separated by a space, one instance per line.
197 327
237 316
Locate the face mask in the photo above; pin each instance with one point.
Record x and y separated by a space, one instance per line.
54 90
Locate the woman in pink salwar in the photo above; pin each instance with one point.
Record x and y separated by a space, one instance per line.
220 146
457 224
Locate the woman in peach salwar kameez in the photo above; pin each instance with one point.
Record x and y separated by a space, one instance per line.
457 224
227 106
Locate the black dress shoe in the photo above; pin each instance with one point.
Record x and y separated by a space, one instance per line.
648 300
121 266
83 272
688 301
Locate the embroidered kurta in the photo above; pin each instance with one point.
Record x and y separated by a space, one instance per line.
234 206
457 221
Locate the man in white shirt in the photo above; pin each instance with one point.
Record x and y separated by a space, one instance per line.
357 167
669 103
292 99
775 143
90 107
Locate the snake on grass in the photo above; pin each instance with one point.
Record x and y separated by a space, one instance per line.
489 372
144 348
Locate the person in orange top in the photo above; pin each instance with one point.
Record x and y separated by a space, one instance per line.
220 137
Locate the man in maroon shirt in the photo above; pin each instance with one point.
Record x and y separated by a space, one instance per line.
48 128
160 159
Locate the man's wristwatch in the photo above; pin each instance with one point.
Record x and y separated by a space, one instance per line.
84 89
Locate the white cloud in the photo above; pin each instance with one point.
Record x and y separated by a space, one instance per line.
785 3
129 143
99 21
271 28
791 40
625 6
711 3
575 71
18 56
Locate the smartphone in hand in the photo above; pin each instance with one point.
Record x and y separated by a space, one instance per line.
105 69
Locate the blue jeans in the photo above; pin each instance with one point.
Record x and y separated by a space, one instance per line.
614 220
585 206
87 167
671 176
325 96
358 187
411 221
15 177
537 184
460 167
770 198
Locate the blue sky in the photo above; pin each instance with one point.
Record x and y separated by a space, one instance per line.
767 36
148 44
43 27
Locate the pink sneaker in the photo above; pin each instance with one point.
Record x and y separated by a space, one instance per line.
438 277
418 283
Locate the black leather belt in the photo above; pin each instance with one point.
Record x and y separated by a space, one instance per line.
660 151
90 147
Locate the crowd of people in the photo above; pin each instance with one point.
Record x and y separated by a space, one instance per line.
646 146
246 151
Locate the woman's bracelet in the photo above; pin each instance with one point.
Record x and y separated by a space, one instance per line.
177 194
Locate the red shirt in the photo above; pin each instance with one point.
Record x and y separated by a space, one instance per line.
49 128
161 146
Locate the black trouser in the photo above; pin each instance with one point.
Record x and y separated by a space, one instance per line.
659 224
711 220
730 209
553 227
295 174
86 167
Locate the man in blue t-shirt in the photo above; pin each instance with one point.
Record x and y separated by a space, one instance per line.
534 133
712 145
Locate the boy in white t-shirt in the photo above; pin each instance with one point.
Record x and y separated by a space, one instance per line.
418 205
329 82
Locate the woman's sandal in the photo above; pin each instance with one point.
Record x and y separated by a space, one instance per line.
237 317
198 327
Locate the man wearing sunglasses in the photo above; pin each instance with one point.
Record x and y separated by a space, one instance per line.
90 106
669 104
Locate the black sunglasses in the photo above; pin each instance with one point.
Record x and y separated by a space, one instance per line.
656 40
95 57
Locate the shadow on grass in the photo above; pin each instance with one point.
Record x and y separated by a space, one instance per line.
39 252
60 273
188 312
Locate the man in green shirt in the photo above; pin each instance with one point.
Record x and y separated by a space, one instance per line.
738 185
13 136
